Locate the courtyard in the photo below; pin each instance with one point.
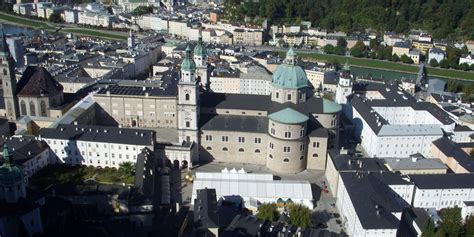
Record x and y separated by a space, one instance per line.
57 174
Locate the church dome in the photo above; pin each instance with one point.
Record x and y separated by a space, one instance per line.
9 173
200 50
288 75
188 63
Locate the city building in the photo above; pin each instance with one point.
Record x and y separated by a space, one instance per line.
391 123
416 164
467 58
438 191
436 54
451 154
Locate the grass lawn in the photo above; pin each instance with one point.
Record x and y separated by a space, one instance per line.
55 174
363 62
23 21
96 33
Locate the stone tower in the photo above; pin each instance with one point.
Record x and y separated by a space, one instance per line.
200 58
131 41
188 101
7 75
344 85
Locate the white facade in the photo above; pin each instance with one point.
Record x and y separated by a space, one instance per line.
344 89
71 16
234 85
89 18
92 152
469 59
442 198
434 54
260 187
152 22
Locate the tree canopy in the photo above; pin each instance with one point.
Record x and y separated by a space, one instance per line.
267 211
442 18
300 215
451 221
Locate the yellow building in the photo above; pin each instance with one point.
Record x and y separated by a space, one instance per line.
422 46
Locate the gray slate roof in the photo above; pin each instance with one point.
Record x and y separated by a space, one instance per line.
443 181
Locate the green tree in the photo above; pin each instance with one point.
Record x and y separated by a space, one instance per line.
387 52
444 63
356 52
268 211
127 168
142 10
300 215
406 59
339 50
472 67
469 226
395 58
451 221
434 62
55 17
341 42
329 49
373 44
464 66
429 229
454 86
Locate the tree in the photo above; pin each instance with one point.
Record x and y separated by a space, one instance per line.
127 168
472 67
444 63
434 62
142 10
395 58
387 52
300 215
356 52
469 226
339 50
405 59
341 42
267 211
329 49
373 44
464 66
55 17
451 221
429 229
454 86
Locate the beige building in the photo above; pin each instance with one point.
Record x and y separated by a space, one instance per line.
247 37
401 48
452 155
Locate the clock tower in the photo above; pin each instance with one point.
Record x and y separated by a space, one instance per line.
188 101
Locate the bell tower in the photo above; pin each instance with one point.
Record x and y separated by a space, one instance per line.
188 101
344 85
7 75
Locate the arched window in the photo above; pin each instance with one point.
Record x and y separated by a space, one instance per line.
225 149
43 109
270 156
23 107
187 97
32 109
286 160
301 157
241 149
208 148
257 151
5 72
315 155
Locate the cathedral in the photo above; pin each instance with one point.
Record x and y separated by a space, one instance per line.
33 95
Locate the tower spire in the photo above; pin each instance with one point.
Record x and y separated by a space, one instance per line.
6 155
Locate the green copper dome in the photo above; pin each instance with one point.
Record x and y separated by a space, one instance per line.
9 173
288 116
188 63
200 49
288 75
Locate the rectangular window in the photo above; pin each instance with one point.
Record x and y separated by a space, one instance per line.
289 96
287 134
208 138
258 140
286 149
302 147
225 138
188 124
241 139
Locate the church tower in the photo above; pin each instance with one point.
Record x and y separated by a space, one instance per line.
188 101
344 85
12 182
7 75
200 58
131 41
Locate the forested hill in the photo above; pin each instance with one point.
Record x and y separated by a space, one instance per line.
442 18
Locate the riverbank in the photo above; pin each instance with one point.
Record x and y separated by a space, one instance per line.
20 21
